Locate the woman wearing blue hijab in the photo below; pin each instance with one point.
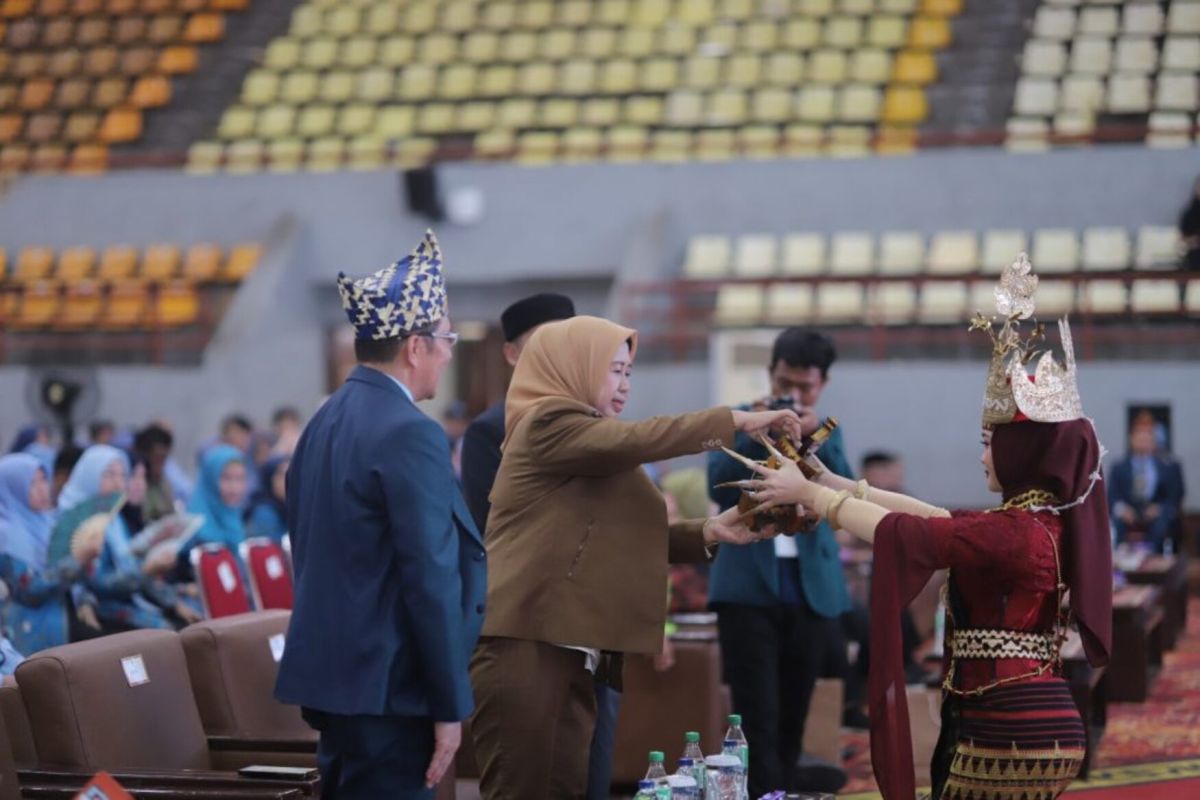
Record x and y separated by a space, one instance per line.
219 496
266 514
128 598
36 613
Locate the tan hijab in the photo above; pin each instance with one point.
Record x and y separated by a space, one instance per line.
565 360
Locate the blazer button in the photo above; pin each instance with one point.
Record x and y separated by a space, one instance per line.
479 556
479 608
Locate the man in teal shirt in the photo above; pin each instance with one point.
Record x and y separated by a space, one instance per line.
778 601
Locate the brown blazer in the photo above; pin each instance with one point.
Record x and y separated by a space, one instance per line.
577 539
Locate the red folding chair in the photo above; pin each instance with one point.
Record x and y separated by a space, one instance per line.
270 580
220 581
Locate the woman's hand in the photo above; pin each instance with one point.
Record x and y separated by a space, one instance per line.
730 528
186 613
776 487
756 423
87 615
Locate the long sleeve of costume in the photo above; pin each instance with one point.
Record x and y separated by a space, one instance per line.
686 542
579 443
33 588
426 542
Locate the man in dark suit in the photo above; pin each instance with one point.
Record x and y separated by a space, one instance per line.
481 442
779 601
390 570
1145 490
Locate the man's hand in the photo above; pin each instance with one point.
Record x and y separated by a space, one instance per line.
729 527
447 736
87 615
187 613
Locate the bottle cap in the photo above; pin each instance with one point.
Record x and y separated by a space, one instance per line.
735 719
656 756
691 736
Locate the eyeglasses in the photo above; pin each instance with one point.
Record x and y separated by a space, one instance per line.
451 337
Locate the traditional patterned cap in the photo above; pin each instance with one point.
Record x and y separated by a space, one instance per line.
403 297
1052 395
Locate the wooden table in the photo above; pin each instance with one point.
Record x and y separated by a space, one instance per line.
1090 693
1137 642
1169 574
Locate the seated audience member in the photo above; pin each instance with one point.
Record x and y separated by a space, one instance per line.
286 425
266 514
101 431
153 446
1145 490
37 441
220 496
127 597
135 495
36 612
64 462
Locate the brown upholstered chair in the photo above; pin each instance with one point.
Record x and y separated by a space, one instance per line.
16 722
124 703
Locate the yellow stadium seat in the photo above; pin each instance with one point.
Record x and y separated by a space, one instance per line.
726 107
700 72
739 305
636 42
237 122
755 255
39 306
577 77
336 86
696 12
803 255
801 34
659 75
176 305
359 52
914 67
204 28
1155 297
558 112
953 253
582 144
356 119
1158 247
375 84
537 147
598 43
315 121
282 54
121 125
417 82
320 53
842 32
516 112
856 8
839 302
1106 248
342 21
816 104
943 302
435 118
827 66
117 263
75 264
457 82
574 13
458 16
556 45
1082 93
760 36
612 12
930 33
178 60
901 253
499 80
1055 250
1128 94
475 116
33 264
600 111
126 306
81 307
896 140
784 69
1001 248
242 260
419 18
151 91
244 155
708 257
772 105
204 158
759 141
500 16
618 76
299 88
535 78
517 46
160 263
887 32
870 65
684 109
905 105
535 14
893 303
307 21
721 37
650 13
742 71
395 122
480 47
202 263
942 8
366 153
789 304
815 8
851 253
643 110
858 103
437 48
1105 297
495 144
396 51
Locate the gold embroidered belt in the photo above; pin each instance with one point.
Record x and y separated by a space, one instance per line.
992 643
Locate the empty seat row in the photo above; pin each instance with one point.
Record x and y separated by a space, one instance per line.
1129 55
854 254
124 30
54 9
942 302
157 263
86 305
1062 22
1121 94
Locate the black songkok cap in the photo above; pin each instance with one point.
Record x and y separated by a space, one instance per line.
525 315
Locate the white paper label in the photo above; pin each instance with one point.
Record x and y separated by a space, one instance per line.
229 581
274 568
276 643
135 670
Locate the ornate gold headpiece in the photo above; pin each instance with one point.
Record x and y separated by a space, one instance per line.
1053 394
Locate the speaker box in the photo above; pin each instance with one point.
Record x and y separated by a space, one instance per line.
421 192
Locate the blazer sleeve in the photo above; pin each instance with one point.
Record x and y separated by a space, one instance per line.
418 485
686 543
480 462
577 443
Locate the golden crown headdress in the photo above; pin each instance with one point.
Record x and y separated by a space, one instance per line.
1052 394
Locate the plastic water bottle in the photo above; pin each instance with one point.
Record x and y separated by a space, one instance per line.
645 791
683 783
732 749
657 774
691 749
735 733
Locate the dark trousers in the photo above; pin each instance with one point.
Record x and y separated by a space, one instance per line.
535 709
772 656
364 757
604 737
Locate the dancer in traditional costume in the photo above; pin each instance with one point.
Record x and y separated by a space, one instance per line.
1009 727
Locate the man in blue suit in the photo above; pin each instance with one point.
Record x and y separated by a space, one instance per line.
778 601
390 571
1145 490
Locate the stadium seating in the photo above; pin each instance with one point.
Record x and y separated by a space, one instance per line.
367 84
76 78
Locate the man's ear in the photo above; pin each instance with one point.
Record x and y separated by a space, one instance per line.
511 353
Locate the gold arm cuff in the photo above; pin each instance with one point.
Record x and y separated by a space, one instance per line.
862 489
831 510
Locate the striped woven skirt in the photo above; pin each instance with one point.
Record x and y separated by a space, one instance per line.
1023 741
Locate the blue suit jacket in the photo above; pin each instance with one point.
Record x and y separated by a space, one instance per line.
1168 488
390 570
749 574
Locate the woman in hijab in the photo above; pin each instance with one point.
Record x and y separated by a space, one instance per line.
220 496
578 546
128 598
36 614
1009 725
265 517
